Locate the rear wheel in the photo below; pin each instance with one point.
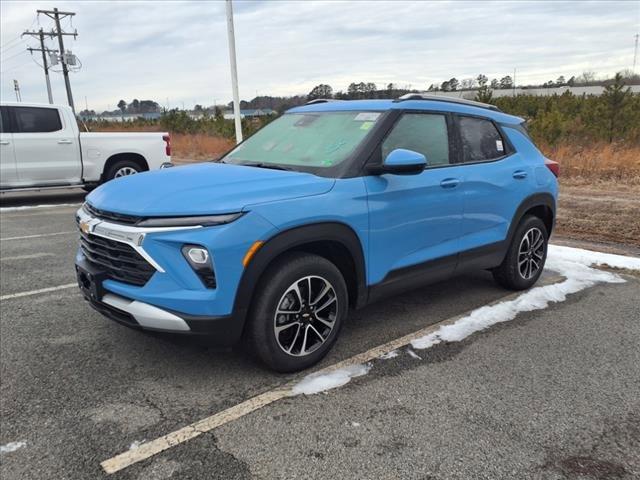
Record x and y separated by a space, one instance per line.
297 313
525 259
122 168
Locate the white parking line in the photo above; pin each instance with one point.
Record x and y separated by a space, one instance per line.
26 257
34 207
36 292
149 449
25 237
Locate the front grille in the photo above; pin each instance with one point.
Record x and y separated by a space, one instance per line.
118 260
111 216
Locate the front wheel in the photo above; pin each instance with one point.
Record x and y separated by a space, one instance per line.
298 311
525 259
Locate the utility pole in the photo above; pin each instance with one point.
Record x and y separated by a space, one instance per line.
56 15
16 87
635 54
234 71
40 34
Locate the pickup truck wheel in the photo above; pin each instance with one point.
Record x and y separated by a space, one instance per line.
525 259
122 168
297 313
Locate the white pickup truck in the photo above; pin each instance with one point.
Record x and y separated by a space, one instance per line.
41 147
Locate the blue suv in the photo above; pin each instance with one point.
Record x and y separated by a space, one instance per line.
332 206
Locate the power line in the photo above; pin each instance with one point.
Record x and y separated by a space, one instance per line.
20 65
12 56
6 45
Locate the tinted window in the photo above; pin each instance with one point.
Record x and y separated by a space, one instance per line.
481 140
4 121
423 133
37 120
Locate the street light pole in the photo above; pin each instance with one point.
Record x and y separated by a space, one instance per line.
234 71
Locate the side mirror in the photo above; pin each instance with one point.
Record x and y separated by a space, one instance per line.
404 162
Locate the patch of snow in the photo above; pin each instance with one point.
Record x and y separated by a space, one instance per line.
413 354
355 424
31 207
589 257
572 263
321 382
136 444
12 446
388 355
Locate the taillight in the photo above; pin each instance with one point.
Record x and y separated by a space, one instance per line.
553 166
167 141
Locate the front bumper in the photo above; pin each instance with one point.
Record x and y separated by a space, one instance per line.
224 331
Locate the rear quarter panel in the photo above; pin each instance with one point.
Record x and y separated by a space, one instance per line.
97 147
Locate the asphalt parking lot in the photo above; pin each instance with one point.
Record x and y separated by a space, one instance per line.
553 394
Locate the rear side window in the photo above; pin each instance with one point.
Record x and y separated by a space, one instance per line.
481 141
422 133
37 120
4 121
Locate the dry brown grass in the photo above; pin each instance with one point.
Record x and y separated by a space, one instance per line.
185 148
579 164
588 165
196 147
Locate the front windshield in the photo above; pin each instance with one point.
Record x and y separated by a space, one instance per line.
312 139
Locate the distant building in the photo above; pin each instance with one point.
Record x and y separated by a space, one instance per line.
121 117
249 113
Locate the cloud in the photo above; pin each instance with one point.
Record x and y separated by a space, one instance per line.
177 51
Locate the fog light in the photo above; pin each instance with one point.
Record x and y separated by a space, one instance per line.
199 259
198 255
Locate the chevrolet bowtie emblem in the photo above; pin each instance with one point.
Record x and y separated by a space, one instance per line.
84 227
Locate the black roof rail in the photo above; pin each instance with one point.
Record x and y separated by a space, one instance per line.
322 100
444 98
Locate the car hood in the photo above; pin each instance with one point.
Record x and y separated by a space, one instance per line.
203 189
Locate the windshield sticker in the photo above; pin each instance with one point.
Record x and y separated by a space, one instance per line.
499 146
366 125
367 116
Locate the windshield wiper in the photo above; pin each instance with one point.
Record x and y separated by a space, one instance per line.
272 166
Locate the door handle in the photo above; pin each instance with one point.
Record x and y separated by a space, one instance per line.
519 174
4 142
65 142
449 183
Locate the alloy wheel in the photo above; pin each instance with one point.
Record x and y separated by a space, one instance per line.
531 253
305 316
125 171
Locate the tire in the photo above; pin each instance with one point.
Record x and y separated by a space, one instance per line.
122 168
318 314
523 265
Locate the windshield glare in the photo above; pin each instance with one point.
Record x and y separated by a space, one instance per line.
313 139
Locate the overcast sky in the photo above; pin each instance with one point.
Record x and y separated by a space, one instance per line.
177 52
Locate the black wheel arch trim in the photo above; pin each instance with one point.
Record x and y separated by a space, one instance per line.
536 200
288 240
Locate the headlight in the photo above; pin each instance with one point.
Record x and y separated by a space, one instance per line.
204 220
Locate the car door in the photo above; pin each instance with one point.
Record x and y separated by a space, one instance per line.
8 175
414 220
46 147
495 184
